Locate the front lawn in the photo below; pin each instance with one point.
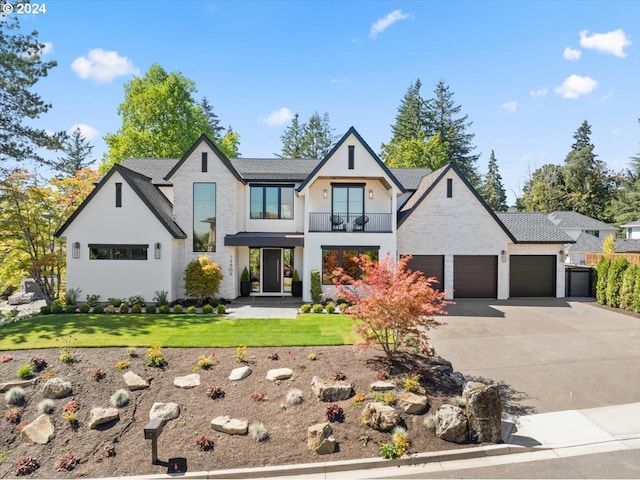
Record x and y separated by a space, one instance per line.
92 330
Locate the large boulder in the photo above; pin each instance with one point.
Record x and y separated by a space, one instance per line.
331 392
380 416
451 424
57 388
239 373
484 411
468 387
39 431
100 416
231 426
279 374
412 403
188 381
164 411
134 382
320 440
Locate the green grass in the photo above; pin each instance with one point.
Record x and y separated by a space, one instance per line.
90 330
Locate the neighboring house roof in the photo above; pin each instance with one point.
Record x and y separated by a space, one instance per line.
410 177
627 245
632 224
573 220
155 201
212 146
533 228
586 243
351 131
154 168
274 169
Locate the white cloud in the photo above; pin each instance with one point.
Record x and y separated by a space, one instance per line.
571 54
575 86
102 66
385 22
611 42
510 106
339 80
541 92
87 131
278 117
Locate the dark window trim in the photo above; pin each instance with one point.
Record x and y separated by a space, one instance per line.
111 249
279 186
118 245
449 188
352 157
349 184
118 194
204 162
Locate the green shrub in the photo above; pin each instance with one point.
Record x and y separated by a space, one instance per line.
316 286
155 358
150 309
191 310
614 280
306 308
71 296
136 308
14 396
177 308
258 432
161 298
628 285
25 371
136 300
84 308
202 278
116 302
45 310
330 307
220 309
92 300
318 308
636 294
602 269
98 309
56 308
164 309
46 406
207 309
120 398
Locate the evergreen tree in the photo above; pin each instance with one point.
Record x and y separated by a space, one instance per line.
589 183
410 117
318 136
443 116
20 69
492 190
212 119
627 202
77 150
293 139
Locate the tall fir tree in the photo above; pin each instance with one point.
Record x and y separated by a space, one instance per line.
77 154
492 190
312 139
410 117
212 119
626 205
443 116
293 139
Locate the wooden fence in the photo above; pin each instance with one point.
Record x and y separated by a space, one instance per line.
593 257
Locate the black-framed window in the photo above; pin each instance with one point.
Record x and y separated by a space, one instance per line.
102 251
347 200
449 187
272 202
204 217
204 162
118 195
343 257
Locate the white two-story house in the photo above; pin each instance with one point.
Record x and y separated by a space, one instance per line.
148 218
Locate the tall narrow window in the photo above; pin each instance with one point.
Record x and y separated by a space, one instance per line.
347 202
204 217
352 157
118 195
449 187
204 162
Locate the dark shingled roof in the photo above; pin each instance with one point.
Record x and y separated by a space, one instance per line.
154 168
586 243
274 169
569 220
628 245
410 177
532 228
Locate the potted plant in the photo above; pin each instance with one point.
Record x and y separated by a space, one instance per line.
245 283
296 285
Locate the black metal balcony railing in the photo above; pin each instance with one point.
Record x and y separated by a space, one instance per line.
342 222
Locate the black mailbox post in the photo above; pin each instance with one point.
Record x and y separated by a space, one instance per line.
152 431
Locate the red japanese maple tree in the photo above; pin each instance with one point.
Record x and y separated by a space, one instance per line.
388 302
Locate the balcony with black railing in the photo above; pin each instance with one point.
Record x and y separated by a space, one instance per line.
343 222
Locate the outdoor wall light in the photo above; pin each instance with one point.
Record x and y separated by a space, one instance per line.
503 255
324 193
370 194
75 250
156 250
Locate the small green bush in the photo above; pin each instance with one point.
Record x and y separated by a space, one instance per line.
56 308
258 431
120 398
150 309
317 308
191 309
25 371
116 302
220 309
628 285
635 305
136 308
330 308
164 309
84 308
45 310
161 298
316 286
306 308
614 280
602 269
46 406
207 309
177 308
14 396
98 309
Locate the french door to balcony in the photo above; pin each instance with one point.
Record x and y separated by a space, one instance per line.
347 202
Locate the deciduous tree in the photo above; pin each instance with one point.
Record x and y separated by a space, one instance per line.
389 301
415 152
545 191
202 278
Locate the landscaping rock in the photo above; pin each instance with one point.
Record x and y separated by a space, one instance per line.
164 411
451 424
39 431
99 416
240 373
279 374
468 386
188 381
331 392
458 378
134 382
382 386
320 440
484 412
231 426
17 383
412 403
380 417
57 388
441 366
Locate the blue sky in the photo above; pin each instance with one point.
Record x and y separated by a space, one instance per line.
526 73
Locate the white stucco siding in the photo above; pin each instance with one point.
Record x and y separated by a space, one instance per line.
101 222
229 200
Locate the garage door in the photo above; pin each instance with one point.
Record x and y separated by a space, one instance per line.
532 276
431 266
475 276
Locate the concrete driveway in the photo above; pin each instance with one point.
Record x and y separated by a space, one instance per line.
548 354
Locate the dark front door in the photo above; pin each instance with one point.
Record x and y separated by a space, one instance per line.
272 274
